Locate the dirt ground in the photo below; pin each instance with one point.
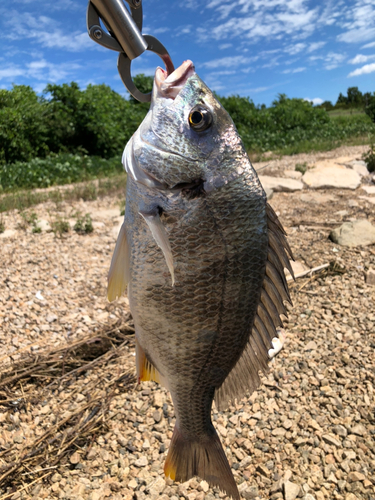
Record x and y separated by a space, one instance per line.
308 432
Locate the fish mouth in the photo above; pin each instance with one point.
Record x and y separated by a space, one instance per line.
170 86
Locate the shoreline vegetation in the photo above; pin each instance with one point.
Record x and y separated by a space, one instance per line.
69 135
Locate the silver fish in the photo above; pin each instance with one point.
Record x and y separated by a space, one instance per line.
203 257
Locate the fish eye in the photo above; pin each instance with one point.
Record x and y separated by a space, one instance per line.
200 119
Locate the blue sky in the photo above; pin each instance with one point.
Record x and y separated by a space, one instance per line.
304 48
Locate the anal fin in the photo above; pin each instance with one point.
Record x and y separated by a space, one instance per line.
146 371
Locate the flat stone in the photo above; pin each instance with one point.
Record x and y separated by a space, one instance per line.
370 277
280 184
291 490
308 496
293 174
353 234
370 199
369 189
317 198
331 176
360 167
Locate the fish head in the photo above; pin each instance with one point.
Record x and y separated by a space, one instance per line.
186 136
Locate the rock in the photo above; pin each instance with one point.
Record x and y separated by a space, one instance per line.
291 490
280 184
358 430
293 174
317 198
353 234
353 203
360 167
269 192
75 458
311 346
44 225
141 462
370 277
355 476
331 176
156 487
340 430
331 440
368 198
308 497
263 470
369 189
8 233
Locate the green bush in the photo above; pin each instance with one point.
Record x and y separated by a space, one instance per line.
369 158
63 168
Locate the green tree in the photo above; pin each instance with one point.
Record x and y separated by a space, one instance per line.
23 129
355 97
341 99
370 106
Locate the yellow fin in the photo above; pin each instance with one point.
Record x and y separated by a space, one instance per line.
146 371
119 272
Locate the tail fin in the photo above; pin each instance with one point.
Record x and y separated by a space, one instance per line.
204 458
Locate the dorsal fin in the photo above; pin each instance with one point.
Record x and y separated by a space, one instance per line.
244 377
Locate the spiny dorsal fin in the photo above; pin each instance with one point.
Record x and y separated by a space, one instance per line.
161 237
119 271
244 377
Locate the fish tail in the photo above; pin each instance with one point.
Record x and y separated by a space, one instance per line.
204 458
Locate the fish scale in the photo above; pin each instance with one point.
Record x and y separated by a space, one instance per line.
195 260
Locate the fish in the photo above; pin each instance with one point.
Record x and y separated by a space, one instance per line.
202 256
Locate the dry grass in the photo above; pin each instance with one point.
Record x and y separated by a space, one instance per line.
45 376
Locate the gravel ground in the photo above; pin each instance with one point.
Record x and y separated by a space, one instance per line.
309 430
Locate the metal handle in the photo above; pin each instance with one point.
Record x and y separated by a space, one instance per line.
118 21
124 36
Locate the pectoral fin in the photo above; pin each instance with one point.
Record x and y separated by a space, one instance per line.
161 237
119 272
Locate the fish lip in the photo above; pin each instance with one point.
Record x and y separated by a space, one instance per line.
169 86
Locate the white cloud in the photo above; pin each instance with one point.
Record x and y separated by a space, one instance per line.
295 48
10 72
333 60
45 31
315 101
295 70
359 22
360 59
368 68
229 62
40 70
315 46
259 19
368 45
224 46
